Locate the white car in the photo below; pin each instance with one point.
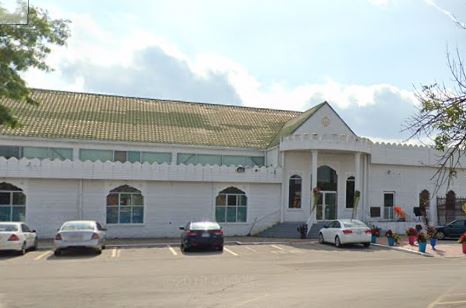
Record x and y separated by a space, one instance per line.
17 236
80 234
345 231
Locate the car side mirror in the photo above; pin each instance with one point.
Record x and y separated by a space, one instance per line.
181 228
33 231
326 226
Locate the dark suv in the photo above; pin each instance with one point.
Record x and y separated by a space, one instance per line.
453 230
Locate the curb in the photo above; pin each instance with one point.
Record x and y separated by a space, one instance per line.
424 254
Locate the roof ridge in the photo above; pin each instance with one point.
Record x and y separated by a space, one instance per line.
169 100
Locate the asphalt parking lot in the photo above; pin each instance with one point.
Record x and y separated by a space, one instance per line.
266 275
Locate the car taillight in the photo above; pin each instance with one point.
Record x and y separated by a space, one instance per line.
218 232
368 231
58 237
95 236
191 233
13 237
347 231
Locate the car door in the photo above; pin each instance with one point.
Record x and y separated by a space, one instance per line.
325 231
331 231
102 233
455 228
28 235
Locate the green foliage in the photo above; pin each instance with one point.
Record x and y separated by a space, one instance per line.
23 47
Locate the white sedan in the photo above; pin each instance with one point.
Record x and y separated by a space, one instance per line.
80 234
18 237
345 231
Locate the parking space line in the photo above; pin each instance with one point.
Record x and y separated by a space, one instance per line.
230 252
277 247
172 250
249 248
451 303
115 252
47 253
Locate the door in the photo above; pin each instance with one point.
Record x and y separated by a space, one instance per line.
327 205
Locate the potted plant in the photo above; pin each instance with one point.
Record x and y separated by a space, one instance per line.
392 237
302 229
462 241
432 236
411 233
375 233
422 241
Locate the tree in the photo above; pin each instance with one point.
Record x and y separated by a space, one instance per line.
441 117
23 47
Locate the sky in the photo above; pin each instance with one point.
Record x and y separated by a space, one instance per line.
365 57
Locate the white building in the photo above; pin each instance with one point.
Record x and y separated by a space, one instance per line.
146 166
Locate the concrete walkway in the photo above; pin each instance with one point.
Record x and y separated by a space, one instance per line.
444 248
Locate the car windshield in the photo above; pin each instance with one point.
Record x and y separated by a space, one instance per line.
353 224
77 226
204 226
8 228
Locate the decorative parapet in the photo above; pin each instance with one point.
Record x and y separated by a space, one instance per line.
325 142
57 169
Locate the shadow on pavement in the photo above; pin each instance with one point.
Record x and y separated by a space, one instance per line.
82 253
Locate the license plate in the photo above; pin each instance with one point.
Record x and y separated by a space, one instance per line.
74 239
359 232
205 234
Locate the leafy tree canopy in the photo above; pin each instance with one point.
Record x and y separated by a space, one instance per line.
23 47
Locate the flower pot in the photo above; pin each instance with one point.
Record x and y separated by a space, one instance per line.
464 248
411 239
373 239
422 247
433 242
391 241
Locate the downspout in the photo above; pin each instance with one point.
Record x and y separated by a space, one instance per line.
80 199
282 163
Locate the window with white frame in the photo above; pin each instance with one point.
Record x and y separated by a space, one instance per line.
125 205
231 206
388 203
12 203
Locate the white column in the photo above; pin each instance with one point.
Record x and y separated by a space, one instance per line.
284 185
357 179
314 177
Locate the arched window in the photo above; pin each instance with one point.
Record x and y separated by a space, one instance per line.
450 206
350 192
125 205
12 203
295 192
326 178
424 199
231 205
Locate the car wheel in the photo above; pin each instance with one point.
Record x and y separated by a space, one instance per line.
337 242
57 253
440 235
98 251
321 238
22 252
366 245
36 244
104 247
220 249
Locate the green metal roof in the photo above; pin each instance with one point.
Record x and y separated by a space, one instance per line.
72 115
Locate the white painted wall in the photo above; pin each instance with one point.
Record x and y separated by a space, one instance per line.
167 205
315 124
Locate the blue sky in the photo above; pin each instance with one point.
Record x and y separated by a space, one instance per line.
363 56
